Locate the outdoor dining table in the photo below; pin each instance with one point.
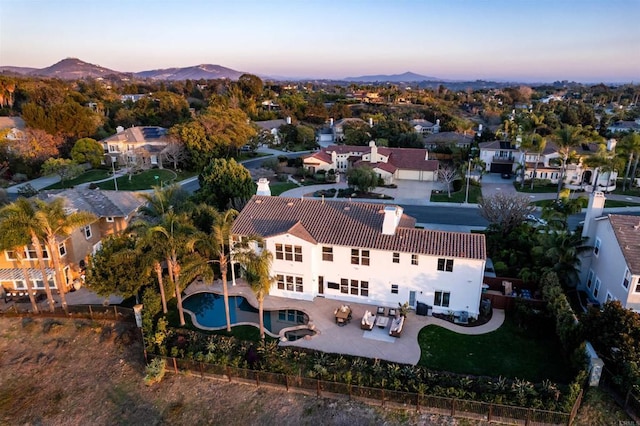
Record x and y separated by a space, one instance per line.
343 314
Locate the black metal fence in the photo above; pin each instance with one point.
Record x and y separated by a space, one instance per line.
627 399
475 410
115 313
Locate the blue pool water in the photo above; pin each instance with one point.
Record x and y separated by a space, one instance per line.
208 309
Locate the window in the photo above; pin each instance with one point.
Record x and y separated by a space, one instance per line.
289 283
286 252
589 279
596 288
354 287
334 286
359 257
344 286
445 265
596 247
638 286
327 254
87 231
394 288
279 252
414 259
627 279
442 299
609 297
297 253
109 219
396 257
62 249
20 285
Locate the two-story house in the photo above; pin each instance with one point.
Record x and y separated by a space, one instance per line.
425 127
499 156
611 269
389 163
145 141
365 253
114 211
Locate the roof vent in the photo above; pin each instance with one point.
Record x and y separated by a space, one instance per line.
347 208
258 201
289 204
636 227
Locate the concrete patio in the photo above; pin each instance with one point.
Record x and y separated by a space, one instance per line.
350 339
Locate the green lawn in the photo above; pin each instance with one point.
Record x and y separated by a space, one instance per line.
458 197
146 179
88 176
278 188
507 352
537 189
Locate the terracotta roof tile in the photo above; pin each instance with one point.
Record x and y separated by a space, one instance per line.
351 224
627 231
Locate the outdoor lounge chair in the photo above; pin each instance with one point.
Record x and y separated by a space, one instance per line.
396 327
368 321
380 311
393 312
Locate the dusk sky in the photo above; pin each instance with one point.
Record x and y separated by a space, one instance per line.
524 40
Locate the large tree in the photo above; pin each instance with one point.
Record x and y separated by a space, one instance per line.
224 184
506 211
567 139
14 240
363 178
87 150
63 167
629 147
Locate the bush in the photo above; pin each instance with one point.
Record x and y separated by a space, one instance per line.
155 371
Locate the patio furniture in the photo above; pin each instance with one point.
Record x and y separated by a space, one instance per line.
396 326
382 321
343 315
381 310
368 321
393 312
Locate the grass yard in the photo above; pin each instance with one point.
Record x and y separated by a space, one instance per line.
537 189
278 188
146 179
88 176
458 197
507 352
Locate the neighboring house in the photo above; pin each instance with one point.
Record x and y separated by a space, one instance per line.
611 269
499 156
114 211
625 126
15 127
389 163
364 253
425 127
338 127
443 139
272 127
144 141
132 97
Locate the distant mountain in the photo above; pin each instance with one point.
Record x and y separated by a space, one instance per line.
16 70
73 68
394 78
196 72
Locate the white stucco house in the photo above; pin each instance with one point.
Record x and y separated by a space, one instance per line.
611 269
425 127
365 253
389 163
272 127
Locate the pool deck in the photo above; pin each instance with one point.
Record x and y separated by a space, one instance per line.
349 339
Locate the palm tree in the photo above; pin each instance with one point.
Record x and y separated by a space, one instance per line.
630 146
567 138
542 144
529 142
54 222
13 240
20 216
162 200
215 247
172 235
257 266
602 161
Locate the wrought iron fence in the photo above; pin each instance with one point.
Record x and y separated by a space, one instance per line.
115 313
475 410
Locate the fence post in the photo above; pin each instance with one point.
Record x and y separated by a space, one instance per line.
286 381
115 312
453 407
257 379
90 312
490 413
229 373
382 397
201 369
349 387
175 365
318 387
527 422
418 402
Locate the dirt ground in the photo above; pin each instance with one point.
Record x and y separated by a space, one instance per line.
78 372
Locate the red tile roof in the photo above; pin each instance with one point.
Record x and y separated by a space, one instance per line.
401 158
351 224
627 231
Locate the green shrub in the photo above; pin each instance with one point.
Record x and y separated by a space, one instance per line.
154 371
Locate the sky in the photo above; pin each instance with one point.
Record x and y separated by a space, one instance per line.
516 40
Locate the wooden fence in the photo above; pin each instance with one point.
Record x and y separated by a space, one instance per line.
628 400
475 410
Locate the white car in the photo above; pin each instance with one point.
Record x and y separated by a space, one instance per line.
538 220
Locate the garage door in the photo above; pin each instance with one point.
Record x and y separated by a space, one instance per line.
501 168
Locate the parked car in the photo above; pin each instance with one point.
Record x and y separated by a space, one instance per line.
506 176
535 220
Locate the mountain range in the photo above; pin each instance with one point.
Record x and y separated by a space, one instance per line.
74 68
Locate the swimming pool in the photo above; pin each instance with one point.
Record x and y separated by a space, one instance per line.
207 312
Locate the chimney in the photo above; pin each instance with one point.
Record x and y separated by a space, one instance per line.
331 123
479 129
392 215
119 129
288 120
595 209
373 156
611 144
263 187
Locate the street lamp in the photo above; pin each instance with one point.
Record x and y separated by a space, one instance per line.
466 197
